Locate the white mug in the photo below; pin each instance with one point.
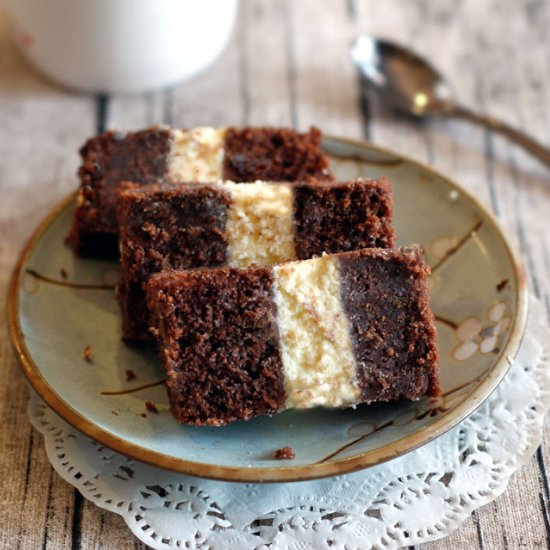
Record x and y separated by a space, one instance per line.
119 46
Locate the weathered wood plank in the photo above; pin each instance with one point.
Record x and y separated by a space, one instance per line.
105 530
266 91
326 91
135 112
37 167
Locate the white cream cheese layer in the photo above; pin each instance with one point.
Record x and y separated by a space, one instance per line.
260 223
316 347
196 155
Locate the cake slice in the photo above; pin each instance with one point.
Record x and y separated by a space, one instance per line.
333 331
198 155
164 227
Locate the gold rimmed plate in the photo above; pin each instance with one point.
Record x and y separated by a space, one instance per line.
65 326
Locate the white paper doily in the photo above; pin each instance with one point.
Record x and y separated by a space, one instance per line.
421 496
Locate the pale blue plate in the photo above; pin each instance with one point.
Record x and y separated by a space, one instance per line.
60 304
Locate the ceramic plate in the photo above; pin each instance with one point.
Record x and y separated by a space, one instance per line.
59 304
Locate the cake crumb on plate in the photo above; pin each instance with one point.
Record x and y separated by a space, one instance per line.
284 453
130 375
88 355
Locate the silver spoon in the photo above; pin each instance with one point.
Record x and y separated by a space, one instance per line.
410 84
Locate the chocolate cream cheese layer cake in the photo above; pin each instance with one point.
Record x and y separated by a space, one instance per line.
164 227
198 155
332 331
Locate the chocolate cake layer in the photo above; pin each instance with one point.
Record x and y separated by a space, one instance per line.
340 330
165 227
201 155
392 326
362 213
106 161
273 154
221 351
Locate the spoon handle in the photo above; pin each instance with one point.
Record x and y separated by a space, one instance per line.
534 147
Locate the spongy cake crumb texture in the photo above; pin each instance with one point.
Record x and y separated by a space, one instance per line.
197 155
317 353
260 224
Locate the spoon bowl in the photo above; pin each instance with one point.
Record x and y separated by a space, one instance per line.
410 84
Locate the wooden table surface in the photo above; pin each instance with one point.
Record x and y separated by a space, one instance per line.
287 64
